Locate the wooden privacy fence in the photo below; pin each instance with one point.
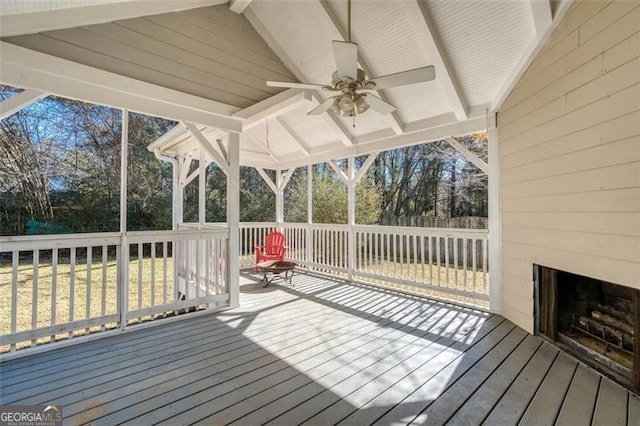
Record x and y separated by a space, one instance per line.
59 286
465 222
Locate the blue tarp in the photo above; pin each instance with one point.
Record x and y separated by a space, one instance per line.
42 228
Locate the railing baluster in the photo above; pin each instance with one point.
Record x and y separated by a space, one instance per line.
465 254
87 307
153 274
164 271
15 256
140 258
422 257
485 270
103 300
438 259
446 260
415 258
34 293
473 258
54 289
72 286
455 259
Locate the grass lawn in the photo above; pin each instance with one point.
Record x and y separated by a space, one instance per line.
102 291
69 306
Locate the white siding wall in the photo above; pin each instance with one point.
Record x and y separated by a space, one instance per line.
570 156
209 52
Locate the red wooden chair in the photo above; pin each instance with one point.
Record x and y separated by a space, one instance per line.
273 248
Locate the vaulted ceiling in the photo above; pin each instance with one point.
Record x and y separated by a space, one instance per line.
224 53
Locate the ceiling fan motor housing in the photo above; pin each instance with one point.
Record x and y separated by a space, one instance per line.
346 84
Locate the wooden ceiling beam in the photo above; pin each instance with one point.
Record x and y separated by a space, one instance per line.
294 136
542 19
273 107
432 46
238 6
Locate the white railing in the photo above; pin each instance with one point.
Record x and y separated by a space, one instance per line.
60 286
440 262
443 261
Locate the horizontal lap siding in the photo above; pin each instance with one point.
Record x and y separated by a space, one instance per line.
209 52
570 156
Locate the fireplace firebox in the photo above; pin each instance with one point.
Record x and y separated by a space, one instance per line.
596 321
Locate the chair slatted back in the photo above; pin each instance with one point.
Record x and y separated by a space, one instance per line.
274 243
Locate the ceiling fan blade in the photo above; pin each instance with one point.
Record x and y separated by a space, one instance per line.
346 55
305 86
325 105
379 105
404 78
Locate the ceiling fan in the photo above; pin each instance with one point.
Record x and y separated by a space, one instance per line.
350 82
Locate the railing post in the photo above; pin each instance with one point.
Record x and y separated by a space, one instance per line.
495 231
351 245
123 261
309 235
233 219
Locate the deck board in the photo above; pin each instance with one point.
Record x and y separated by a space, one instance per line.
578 405
323 352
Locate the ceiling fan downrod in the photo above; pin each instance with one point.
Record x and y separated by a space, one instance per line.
349 21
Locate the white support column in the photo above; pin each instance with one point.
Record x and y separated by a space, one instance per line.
123 278
309 214
202 182
178 192
279 199
495 222
351 215
233 219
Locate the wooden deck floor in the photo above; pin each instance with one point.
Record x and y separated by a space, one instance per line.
324 352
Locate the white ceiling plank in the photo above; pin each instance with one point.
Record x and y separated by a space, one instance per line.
273 107
542 19
477 161
271 41
294 135
267 150
25 68
238 6
443 69
36 22
205 144
22 100
393 118
267 179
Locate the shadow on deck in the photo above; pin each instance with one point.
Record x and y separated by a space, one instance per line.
323 352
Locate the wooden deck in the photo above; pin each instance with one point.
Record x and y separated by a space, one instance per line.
323 352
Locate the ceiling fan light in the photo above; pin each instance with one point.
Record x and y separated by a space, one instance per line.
346 105
361 105
335 106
